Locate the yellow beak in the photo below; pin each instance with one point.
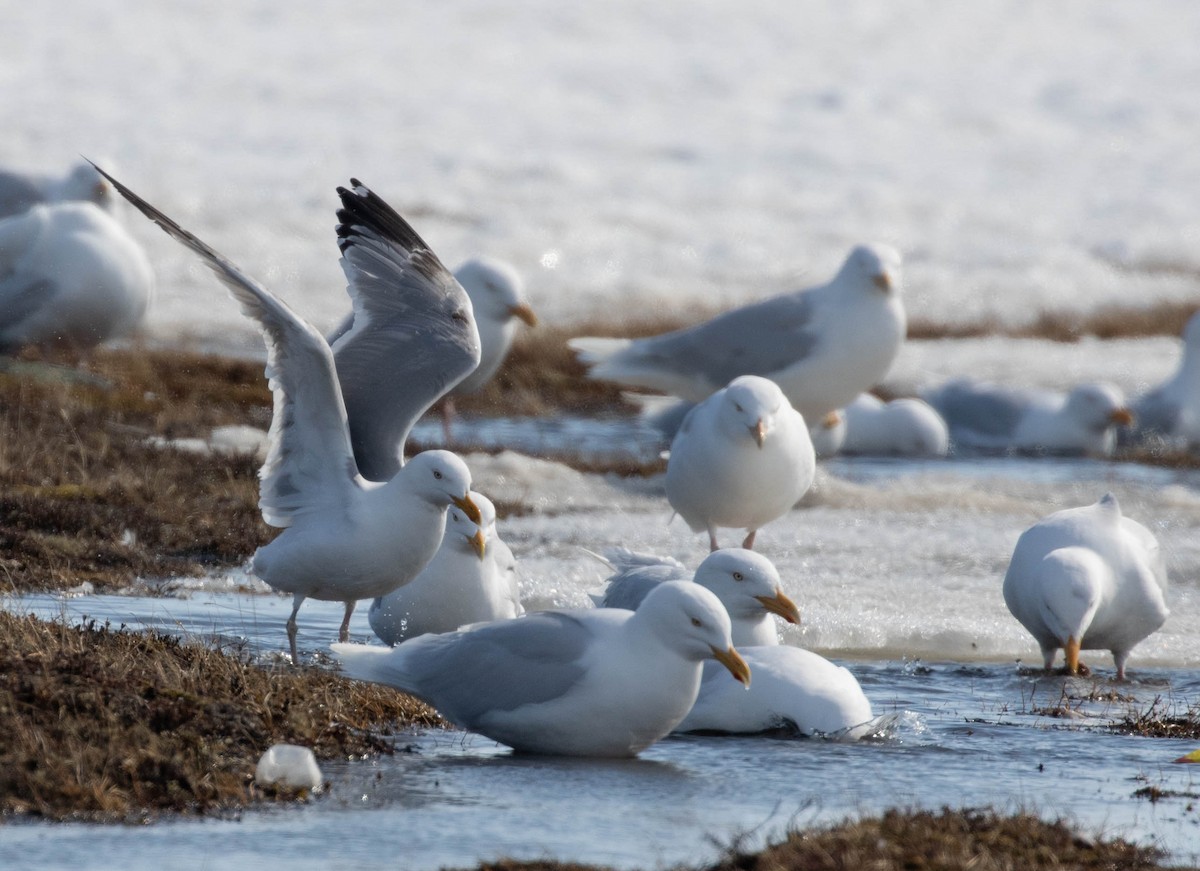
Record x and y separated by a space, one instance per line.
1122 417
524 312
479 542
759 431
781 605
831 420
883 281
733 661
468 507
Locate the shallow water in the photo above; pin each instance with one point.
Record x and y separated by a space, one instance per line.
896 565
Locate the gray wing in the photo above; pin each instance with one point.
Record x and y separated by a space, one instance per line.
498 666
983 409
20 297
1155 414
18 194
628 588
759 339
309 463
413 335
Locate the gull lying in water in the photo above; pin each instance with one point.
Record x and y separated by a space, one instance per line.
987 416
471 579
1171 411
344 537
599 682
795 689
70 276
741 458
498 300
747 584
20 192
1087 579
823 345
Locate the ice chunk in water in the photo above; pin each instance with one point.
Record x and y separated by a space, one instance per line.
288 765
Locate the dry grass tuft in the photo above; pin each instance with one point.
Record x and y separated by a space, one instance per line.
114 725
1162 719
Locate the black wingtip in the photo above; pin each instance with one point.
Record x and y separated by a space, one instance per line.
362 207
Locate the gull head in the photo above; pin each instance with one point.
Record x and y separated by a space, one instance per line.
875 266
1099 406
691 621
496 290
747 583
750 405
464 533
443 479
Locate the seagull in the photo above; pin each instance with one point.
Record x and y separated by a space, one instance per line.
798 690
747 584
471 579
595 682
823 345
828 435
1087 579
742 458
20 192
1171 410
498 300
345 537
70 276
906 427
987 416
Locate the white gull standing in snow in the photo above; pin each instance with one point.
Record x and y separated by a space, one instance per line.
823 345
596 682
345 537
1087 579
742 458
471 579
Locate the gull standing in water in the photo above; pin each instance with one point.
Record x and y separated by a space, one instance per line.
346 537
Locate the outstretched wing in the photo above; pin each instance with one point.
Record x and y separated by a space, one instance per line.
309 465
413 335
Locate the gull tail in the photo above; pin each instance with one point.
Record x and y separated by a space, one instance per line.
383 665
597 352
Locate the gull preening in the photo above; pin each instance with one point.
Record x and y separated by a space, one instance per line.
822 345
70 276
906 427
742 458
598 682
1087 579
471 579
345 537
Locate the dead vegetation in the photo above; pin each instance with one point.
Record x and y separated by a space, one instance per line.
948 840
1162 718
107 724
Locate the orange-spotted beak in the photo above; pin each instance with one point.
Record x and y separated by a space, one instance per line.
759 431
479 542
883 281
733 661
524 312
468 508
781 605
1072 651
1122 417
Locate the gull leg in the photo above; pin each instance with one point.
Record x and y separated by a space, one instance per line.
291 627
447 417
748 543
712 539
344 631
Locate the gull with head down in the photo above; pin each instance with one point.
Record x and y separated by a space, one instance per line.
346 537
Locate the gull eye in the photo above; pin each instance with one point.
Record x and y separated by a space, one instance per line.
738 407
738 576
696 621
459 315
437 474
